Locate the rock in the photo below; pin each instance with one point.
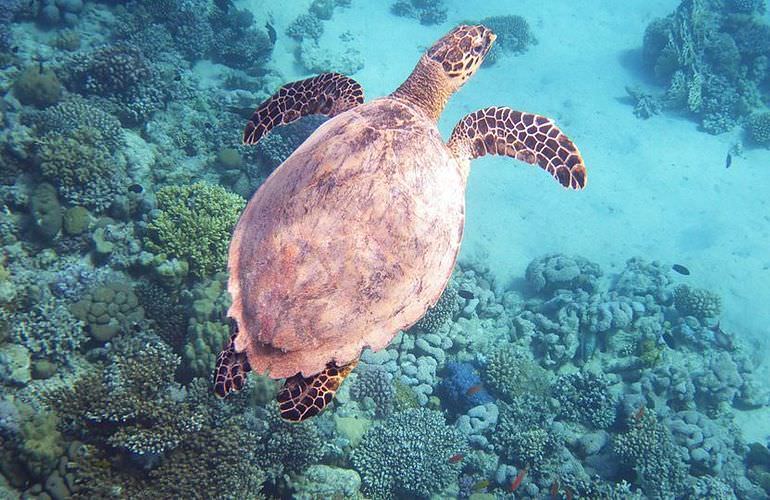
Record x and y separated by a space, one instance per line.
43 369
352 428
15 364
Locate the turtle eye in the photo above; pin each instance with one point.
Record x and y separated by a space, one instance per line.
476 50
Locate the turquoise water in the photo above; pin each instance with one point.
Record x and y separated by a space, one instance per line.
608 342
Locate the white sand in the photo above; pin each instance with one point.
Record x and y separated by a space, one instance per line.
658 188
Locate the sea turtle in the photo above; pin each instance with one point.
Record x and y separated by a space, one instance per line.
355 235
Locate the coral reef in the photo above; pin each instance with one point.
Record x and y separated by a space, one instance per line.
193 223
697 302
426 11
108 310
648 449
585 397
758 128
409 454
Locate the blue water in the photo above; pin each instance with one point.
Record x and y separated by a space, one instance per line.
607 342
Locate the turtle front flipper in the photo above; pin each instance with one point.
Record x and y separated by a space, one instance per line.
231 370
303 397
326 94
527 137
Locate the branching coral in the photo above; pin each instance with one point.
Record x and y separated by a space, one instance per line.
408 455
48 330
441 312
193 224
585 397
697 302
648 449
128 404
81 165
510 375
376 383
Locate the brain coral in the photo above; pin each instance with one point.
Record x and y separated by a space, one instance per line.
194 223
408 455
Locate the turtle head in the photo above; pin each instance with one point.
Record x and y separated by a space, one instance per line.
461 51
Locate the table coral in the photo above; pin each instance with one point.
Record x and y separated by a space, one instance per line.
408 455
194 223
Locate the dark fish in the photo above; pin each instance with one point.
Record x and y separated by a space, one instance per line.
455 458
208 125
224 5
135 188
15 49
271 34
728 160
177 77
465 294
681 269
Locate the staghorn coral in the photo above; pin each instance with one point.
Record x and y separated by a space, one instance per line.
408 455
585 397
193 223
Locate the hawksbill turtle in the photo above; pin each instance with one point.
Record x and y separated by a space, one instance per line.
355 235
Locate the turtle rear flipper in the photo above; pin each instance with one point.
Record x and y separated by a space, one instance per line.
527 137
231 370
303 397
326 94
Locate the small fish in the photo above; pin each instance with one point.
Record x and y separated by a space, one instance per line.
208 125
518 479
465 294
456 458
473 389
481 485
728 160
555 488
178 77
135 188
271 34
639 414
15 49
568 493
681 269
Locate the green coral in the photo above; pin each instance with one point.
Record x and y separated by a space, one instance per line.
509 374
758 128
108 310
194 224
46 211
76 220
38 87
81 165
41 444
697 302
207 333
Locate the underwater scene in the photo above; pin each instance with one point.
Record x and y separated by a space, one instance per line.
397 249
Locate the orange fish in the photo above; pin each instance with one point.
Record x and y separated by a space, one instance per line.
455 458
639 414
568 492
519 478
473 390
555 488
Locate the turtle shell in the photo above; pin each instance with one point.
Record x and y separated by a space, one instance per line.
349 241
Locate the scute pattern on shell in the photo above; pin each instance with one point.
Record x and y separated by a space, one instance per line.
349 241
